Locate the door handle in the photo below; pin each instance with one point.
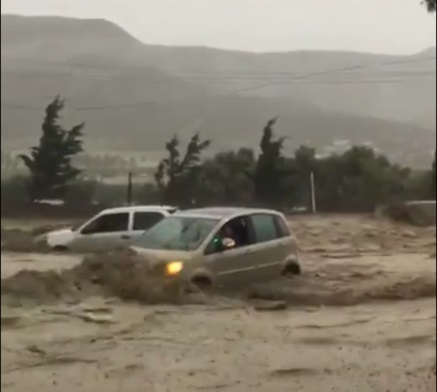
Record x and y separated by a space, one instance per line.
125 237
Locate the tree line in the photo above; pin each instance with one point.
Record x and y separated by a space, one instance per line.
356 180
431 4
103 165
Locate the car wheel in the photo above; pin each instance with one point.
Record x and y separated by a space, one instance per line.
292 269
60 248
202 283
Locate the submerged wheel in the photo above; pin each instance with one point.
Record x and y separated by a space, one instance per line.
202 283
59 248
292 269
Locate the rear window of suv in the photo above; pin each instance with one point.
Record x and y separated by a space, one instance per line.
145 220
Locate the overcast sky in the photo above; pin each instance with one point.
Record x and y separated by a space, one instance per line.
385 26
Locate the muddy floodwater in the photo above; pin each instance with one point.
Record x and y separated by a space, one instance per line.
361 318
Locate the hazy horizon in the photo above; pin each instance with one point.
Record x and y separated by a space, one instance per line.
397 26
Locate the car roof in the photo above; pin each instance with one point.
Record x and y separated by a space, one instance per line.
145 208
221 213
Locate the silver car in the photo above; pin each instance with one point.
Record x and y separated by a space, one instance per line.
110 229
222 246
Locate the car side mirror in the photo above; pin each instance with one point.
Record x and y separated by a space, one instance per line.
228 243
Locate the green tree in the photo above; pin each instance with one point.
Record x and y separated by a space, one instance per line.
358 180
431 5
270 172
297 186
226 178
50 162
178 177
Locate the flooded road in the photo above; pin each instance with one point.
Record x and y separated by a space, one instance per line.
362 317
226 346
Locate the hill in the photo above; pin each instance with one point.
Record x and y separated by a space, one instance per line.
134 96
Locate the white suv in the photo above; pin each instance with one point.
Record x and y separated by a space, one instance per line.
110 229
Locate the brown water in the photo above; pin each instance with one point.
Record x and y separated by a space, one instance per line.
362 317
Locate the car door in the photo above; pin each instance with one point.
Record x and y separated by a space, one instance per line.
232 267
271 249
105 232
288 240
143 221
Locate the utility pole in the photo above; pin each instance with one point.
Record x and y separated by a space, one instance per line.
313 193
129 189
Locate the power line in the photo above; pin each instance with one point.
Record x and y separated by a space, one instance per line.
83 108
206 79
10 105
152 68
327 72
295 73
295 79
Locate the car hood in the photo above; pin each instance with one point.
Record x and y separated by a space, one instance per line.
60 237
163 255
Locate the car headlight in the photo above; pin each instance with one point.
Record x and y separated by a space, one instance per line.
173 268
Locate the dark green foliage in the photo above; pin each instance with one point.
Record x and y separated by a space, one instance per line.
431 5
358 180
83 190
299 169
269 174
49 163
13 192
177 177
227 178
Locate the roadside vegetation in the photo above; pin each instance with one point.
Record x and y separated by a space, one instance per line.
357 180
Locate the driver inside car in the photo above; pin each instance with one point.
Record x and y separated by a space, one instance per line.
235 231
227 232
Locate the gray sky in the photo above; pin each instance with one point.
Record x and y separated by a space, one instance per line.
386 26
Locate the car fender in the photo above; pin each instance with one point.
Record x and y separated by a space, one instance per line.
292 264
202 273
59 238
292 259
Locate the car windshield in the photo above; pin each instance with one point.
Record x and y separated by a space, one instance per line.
79 225
177 233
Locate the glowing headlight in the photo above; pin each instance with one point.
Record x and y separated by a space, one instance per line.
174 268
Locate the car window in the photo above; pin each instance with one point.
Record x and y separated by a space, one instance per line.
109 223
282 226
265 228
177 233
145 220
236 229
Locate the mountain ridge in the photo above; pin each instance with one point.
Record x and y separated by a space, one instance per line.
156 91
7 17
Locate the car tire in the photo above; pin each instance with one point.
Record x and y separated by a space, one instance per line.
202 284
59 249
292 269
